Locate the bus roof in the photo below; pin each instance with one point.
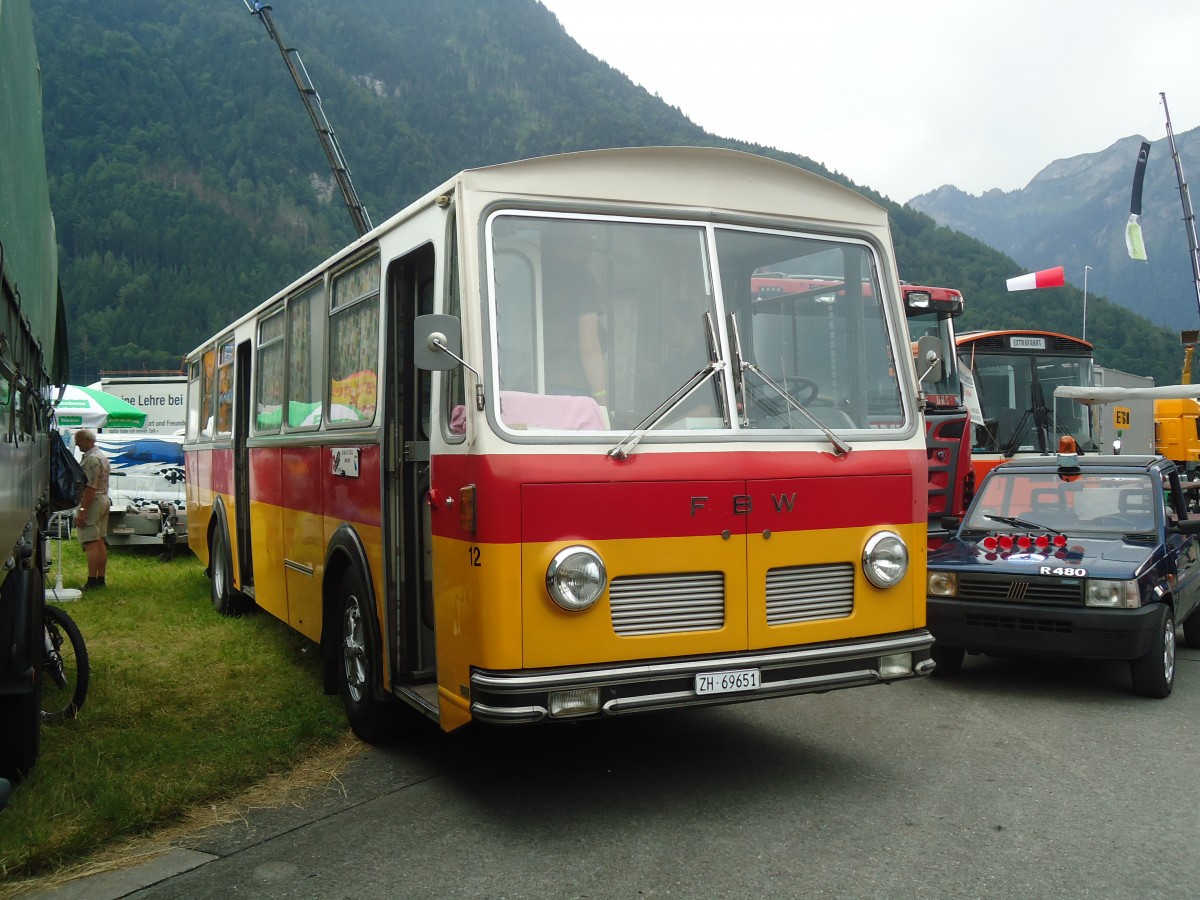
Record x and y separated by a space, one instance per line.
689 179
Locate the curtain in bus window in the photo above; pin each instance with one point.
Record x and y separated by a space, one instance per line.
810 316
599 322
354 345
268 414
304 379
225 389
209 389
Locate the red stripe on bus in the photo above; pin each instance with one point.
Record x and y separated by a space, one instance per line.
302 479
566 497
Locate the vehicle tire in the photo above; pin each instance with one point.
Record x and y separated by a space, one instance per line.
371 717
65 670
1154 673
226 599
949 660
22 719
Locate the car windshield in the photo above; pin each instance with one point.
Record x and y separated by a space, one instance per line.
1104 503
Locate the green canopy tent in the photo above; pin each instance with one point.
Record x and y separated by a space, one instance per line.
82 407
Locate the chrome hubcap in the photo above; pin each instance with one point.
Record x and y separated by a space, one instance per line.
354 650
1169 651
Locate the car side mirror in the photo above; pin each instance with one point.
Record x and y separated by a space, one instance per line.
951 523
1187 526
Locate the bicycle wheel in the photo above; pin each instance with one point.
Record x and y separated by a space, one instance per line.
65 667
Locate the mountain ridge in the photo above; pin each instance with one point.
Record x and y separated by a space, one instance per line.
1073 213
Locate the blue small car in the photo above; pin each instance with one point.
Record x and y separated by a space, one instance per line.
1087 557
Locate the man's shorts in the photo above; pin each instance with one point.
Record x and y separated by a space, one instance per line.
95 526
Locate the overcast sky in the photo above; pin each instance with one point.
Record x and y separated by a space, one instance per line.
904 96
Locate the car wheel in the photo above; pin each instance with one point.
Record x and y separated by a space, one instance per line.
949 660
1154 673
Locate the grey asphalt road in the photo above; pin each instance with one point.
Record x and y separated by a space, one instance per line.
1024 780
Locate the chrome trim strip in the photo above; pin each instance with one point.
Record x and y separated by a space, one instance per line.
299 567
776 688
507 715
911 641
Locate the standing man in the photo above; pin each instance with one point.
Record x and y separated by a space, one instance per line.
92 518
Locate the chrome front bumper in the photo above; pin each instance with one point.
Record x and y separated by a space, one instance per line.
520 697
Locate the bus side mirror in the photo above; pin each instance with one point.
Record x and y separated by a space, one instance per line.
929 359
437 342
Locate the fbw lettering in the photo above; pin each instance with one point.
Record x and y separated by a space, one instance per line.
743 504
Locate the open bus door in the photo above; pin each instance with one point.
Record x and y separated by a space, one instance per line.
409 567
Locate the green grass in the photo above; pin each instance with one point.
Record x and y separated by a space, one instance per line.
184 707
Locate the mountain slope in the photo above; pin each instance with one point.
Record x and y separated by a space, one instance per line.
1074 212
188 184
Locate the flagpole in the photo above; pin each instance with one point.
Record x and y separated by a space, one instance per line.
1189 218
1086 269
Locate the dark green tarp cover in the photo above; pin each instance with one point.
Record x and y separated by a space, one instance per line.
30 252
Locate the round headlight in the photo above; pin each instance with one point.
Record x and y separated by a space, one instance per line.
576 578
943 584
885 559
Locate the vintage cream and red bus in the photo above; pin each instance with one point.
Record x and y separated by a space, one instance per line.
535 448
1009 379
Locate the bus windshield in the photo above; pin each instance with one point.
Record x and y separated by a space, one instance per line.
600 323
1016 397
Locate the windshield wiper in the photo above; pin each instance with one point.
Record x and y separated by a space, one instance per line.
840 447
1021 523
681 393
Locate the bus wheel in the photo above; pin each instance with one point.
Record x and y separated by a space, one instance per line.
21 718
226 600
371 718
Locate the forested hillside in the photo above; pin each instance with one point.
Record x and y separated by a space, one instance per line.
188 184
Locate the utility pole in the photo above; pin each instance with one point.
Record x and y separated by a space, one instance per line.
312 102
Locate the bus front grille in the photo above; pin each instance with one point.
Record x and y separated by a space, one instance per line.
665 604
805 593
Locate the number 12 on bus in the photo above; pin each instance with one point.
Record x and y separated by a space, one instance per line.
554 443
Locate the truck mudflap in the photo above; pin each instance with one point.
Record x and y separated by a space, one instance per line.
572 693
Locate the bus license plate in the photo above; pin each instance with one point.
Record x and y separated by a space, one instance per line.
727 682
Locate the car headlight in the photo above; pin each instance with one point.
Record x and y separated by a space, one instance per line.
1112 594
576 578
885 559
942 584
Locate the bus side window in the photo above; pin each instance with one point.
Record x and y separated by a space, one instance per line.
354 345
268 411
208 389
194 392
304 359
224 396
454 389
